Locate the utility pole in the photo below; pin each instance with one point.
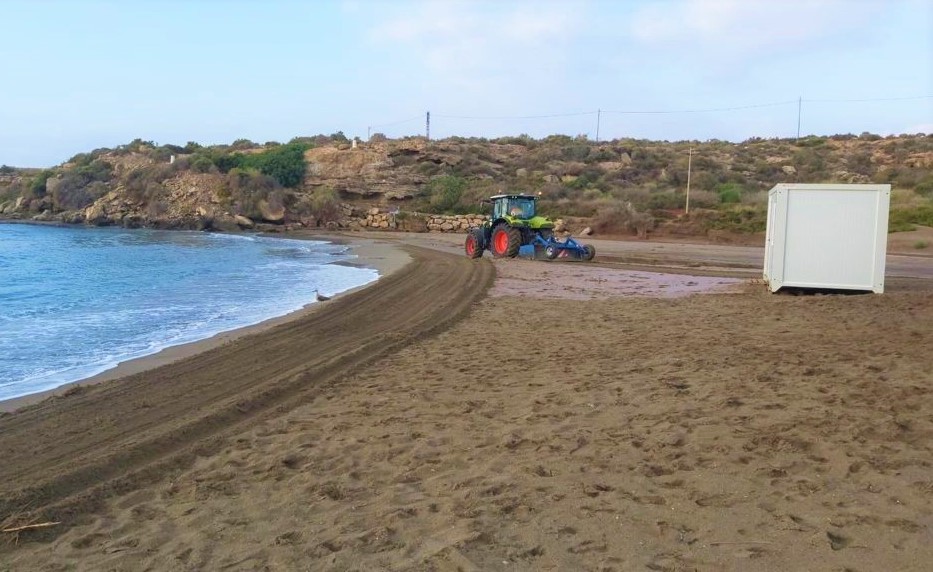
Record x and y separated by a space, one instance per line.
598 113
689 166
427 126
799 105
369 132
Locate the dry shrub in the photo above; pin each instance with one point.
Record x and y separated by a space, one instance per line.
156 209
622 218
322 206
246 188
703 199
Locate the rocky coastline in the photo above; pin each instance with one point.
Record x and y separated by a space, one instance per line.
121 213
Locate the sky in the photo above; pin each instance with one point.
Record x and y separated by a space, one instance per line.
78 74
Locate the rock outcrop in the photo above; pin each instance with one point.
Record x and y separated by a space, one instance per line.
364 171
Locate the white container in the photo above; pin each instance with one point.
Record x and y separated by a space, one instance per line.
827 236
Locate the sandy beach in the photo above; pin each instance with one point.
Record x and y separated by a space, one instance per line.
503 415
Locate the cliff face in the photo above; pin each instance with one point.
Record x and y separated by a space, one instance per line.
396 170
363 172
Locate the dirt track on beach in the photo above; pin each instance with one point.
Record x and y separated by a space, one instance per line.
580 417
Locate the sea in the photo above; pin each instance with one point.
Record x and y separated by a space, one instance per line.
76 301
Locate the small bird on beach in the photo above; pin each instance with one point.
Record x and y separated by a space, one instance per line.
320 297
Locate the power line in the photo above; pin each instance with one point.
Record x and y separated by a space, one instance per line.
597 112
798 102
869 99
673 111
390 124
577 114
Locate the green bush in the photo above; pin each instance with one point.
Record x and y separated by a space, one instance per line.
242 144
37 188
444 194
80 187
729 193
810 141
925 187
602 154
740 219
159 154
577 151
226 162
202 164
901 220
135 146
307 141
587 178
285 163
6 170
523 140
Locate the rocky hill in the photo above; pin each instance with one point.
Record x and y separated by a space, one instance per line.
617 187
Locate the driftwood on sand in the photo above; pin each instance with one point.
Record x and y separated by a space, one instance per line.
30 526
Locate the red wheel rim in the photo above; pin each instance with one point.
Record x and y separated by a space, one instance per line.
502 241
470 245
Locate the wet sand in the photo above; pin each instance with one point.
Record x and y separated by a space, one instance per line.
423 424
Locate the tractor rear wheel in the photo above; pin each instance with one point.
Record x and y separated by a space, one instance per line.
505 241
589 252
473 245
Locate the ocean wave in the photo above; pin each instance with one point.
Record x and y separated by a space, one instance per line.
81 311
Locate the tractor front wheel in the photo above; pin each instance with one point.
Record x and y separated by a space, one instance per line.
505 241
473 245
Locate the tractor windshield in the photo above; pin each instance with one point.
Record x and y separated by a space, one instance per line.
522 208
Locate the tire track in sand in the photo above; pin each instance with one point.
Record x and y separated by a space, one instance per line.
63 456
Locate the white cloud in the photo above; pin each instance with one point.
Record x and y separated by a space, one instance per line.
742 29
473 44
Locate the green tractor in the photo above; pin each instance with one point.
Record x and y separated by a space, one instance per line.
515 226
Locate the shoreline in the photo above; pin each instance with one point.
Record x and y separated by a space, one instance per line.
370 252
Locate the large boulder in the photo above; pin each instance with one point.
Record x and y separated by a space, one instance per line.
96 215
243 222
225 223
74 217
271 213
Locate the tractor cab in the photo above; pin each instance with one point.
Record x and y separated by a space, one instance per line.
514 206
